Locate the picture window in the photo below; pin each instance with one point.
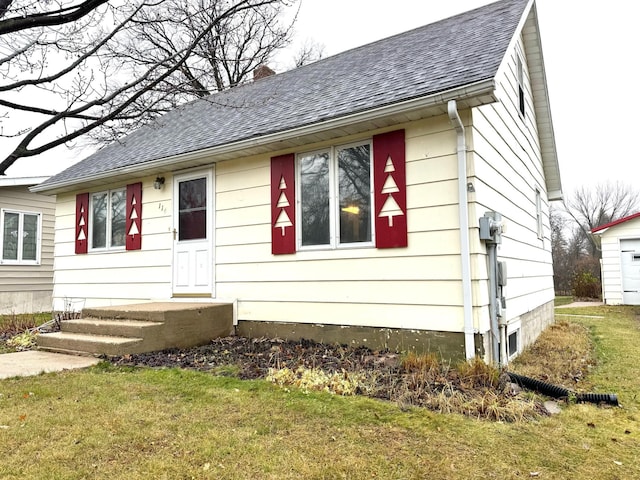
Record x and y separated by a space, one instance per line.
335 196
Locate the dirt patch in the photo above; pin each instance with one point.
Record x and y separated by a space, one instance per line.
254 357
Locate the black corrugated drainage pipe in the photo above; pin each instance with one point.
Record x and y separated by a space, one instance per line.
542 387
561 392
608 398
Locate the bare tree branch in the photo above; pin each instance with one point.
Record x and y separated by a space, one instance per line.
153 58
590 208
46 19
81 58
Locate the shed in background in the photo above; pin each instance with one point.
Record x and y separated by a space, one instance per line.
620 260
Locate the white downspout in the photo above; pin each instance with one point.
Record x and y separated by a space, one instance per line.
463 213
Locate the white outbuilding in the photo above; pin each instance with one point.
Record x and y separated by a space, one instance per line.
620 260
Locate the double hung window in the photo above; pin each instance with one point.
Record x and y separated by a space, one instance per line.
539 226
20 237
108 220
335 197
520 74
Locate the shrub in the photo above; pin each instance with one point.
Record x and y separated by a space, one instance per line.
586 285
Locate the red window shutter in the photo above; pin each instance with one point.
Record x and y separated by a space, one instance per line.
390 189
134 216
82 223
283 201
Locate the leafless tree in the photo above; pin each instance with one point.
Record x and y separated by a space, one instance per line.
560 251
309 52
103 65
605 203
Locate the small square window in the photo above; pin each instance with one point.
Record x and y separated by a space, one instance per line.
512 343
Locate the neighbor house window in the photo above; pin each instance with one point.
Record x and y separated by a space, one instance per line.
108 220
20 237
335 194
520 74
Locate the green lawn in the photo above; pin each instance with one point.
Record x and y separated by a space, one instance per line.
139 424
563 300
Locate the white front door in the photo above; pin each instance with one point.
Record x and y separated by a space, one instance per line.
193 234
630 270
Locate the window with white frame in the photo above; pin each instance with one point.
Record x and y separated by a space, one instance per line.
512 343
539 214
108 222
21 237
520 73
335 197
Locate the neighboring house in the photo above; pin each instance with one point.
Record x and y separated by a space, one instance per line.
26 243
620 243
340 200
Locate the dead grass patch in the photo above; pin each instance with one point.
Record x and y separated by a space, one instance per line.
563 354
14 327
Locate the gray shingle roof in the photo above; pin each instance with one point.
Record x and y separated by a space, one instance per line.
451 53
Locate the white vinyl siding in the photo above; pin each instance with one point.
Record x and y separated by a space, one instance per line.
116 277
415 287
510 180
26 287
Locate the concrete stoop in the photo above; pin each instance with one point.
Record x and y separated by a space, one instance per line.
140 328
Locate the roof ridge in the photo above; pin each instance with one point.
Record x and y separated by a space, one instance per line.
460 50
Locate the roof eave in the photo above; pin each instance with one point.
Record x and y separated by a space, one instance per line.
20 181
475 94
542 105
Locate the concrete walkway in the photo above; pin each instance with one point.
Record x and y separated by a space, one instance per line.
581 304
34 362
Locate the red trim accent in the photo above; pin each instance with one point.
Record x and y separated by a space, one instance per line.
283 202
615 222
82 223
390 189
134 217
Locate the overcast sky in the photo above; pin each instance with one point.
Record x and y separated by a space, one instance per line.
590 49
591 58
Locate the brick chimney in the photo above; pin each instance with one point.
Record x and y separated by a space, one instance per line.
262 71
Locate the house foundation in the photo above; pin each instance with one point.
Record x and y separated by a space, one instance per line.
447 345
534 322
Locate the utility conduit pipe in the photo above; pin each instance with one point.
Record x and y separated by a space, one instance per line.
463 215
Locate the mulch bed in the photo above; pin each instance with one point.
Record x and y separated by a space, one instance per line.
254 357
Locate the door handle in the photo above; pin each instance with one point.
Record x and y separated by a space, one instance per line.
175 232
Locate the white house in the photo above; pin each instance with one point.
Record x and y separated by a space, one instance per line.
26 246
620 243
341 200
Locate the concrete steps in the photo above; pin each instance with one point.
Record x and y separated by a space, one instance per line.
79 343
140 328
